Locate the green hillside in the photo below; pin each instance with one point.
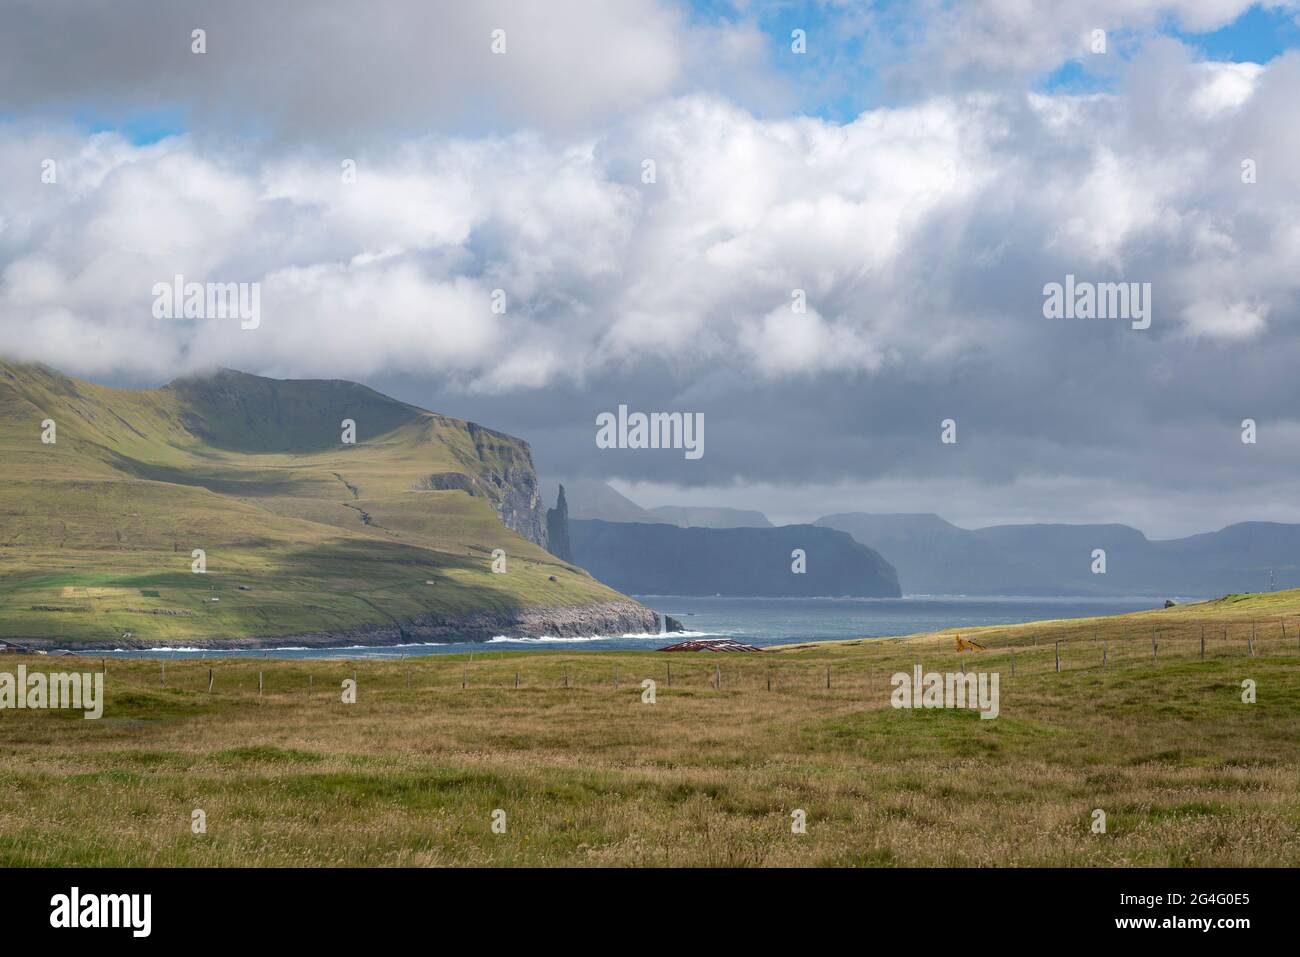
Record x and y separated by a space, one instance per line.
97 530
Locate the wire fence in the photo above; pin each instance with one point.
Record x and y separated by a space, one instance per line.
840 672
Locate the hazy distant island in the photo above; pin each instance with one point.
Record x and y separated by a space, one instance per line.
927 555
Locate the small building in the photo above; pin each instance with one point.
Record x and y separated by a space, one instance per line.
711 644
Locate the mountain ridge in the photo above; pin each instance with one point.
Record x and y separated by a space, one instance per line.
302 532
1057 558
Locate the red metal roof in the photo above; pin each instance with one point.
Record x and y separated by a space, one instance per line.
711 644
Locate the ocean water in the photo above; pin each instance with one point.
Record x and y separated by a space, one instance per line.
756 621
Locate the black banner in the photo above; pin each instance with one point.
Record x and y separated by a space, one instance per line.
946 907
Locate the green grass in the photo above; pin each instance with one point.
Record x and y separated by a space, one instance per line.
97 530
587 774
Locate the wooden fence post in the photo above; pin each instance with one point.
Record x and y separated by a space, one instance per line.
1153 645
828 679
769 681
210 680
163 680
259 684
717 677
1103 654
1058 657
670 674
464 679
1202 642
516 679
1250 642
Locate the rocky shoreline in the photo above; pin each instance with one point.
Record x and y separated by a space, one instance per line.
563 621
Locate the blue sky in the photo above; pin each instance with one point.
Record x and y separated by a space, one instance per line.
848 44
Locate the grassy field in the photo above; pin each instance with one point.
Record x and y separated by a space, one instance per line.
97 529
588 774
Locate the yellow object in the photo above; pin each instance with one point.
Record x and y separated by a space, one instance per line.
964 645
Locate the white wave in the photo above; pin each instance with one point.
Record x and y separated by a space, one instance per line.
544 639
670 638
669 635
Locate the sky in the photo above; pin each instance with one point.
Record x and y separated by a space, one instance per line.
912 174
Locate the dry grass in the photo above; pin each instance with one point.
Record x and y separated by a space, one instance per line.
590 775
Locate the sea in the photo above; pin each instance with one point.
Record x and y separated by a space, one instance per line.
755 621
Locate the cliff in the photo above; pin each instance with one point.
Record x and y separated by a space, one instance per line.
235 509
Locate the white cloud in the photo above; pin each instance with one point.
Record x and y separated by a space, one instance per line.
788 343
1225 320
921 234
1224 87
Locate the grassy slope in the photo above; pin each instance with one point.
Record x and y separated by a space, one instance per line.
1187 773
96 531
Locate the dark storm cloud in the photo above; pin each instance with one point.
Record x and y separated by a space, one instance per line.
329 67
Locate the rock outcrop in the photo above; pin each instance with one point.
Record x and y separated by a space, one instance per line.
557 529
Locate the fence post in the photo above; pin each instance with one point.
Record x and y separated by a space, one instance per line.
516 679
311 682
163 679
670 674
828 679
1103 654
1250 642
210 680
1058 657
717 677
1013 664
1202 642
464 679
769 681
259 684
1153 645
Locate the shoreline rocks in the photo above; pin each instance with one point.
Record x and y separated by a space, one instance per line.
559 621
